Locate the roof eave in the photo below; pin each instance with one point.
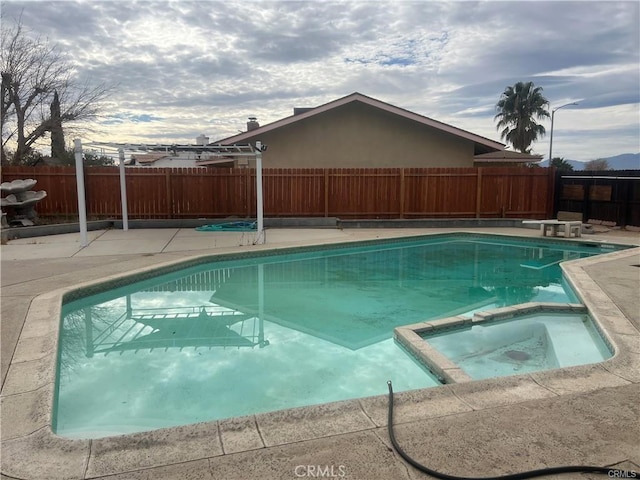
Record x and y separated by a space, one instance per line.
505 160
488 143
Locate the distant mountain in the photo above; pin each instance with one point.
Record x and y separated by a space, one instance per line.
626 161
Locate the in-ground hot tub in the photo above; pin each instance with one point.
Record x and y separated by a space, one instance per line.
522 339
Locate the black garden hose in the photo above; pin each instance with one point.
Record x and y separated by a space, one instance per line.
612 472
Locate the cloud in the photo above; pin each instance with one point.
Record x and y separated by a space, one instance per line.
124 117
205 66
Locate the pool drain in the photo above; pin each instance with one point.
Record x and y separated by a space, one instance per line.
517 355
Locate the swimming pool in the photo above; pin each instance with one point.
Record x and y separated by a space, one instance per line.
298 327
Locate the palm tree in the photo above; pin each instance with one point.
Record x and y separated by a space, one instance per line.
518 109
561 164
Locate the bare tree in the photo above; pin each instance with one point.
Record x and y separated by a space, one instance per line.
33 71
598 164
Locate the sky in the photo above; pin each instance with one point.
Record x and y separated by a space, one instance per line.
181 69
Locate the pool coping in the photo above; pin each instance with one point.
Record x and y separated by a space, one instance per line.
32 450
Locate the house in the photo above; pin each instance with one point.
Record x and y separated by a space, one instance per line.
504 158
178 159
360 131
202 154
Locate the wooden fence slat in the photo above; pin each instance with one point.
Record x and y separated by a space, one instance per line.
305 192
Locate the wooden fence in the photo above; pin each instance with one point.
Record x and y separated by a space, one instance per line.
485 192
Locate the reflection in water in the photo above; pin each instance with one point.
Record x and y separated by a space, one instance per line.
351 300
183 327
197 338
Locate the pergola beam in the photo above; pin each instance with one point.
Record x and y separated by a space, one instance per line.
243 150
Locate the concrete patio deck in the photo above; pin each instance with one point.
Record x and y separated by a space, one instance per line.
582 415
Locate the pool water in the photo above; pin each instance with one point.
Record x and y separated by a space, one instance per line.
281 330
524 344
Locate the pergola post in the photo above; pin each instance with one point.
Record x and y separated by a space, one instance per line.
224 153
82 207
259 199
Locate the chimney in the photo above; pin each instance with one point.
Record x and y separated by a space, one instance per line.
252 124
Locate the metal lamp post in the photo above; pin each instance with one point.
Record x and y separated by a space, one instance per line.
553 112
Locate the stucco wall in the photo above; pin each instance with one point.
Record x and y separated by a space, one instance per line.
358 135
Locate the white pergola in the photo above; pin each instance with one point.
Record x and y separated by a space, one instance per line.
229 152
236 150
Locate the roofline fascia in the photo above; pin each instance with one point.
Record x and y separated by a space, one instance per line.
485 156
505 160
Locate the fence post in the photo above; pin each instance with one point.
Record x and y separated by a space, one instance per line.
247 189
167 183
478 192
553 183
326 192
82 206
624 194
402 193
123 192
